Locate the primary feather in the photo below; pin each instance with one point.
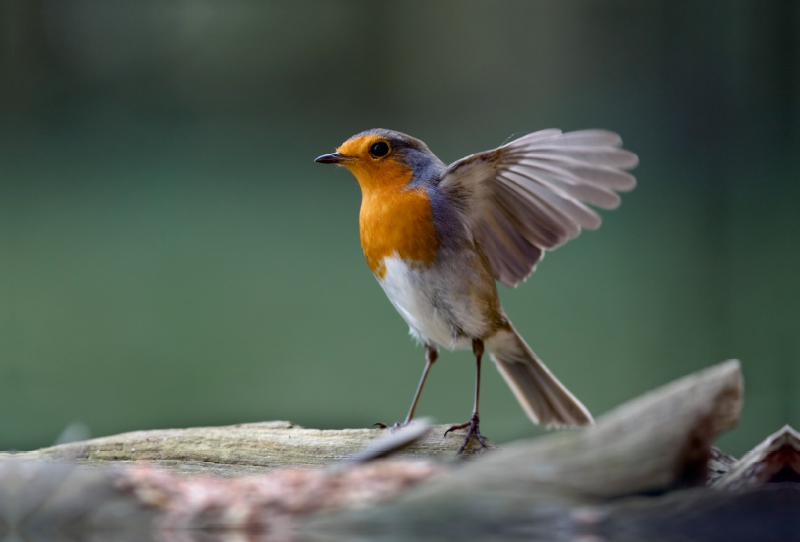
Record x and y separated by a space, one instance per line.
531 194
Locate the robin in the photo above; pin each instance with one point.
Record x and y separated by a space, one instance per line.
437 237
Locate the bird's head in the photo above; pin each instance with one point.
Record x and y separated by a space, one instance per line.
381 158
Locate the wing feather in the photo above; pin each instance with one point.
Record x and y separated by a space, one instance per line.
574 212
551 227
592 194
532 194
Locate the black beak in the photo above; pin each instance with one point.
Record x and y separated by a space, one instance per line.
333 158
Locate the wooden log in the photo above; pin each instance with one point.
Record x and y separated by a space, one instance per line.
659 441
654 443
651 444
246 448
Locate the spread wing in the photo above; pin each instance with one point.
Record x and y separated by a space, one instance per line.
532 193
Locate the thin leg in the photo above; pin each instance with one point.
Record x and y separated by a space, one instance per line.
472 425
431 355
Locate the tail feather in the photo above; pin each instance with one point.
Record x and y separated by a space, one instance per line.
538 391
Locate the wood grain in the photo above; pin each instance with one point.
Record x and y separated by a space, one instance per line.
247 448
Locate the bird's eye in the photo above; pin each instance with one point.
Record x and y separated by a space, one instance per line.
381 148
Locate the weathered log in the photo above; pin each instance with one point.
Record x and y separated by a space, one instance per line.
43 500
246 449
652 444
562 484
659 441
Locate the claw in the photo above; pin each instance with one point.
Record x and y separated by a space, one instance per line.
456 427
380 425
472 427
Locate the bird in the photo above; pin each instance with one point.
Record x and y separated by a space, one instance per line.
439 238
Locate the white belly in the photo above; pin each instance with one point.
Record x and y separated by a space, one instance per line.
425 300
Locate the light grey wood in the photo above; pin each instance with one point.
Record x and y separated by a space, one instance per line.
247 448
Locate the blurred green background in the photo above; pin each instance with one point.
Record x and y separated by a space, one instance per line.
171 256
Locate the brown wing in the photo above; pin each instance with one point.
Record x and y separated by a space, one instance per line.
531 194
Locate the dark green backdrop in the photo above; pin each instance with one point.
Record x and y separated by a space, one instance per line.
170 255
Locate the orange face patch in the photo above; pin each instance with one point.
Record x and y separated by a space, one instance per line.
393 220
371 171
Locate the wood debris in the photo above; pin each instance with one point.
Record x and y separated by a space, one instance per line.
776 459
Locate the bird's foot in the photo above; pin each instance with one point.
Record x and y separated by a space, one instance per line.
472 431
395 427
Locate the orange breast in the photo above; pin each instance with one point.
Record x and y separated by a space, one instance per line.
394 220
397 222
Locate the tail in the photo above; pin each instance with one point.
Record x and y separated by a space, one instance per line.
544 399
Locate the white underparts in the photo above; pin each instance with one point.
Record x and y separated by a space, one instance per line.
416 291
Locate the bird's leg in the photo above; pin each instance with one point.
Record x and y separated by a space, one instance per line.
472 425
431 355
